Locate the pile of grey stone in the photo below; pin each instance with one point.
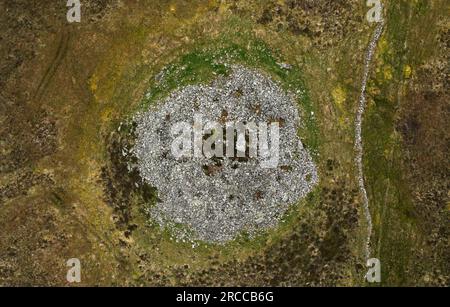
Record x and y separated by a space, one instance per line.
216 199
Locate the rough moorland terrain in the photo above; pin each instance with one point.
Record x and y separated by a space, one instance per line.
66 191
